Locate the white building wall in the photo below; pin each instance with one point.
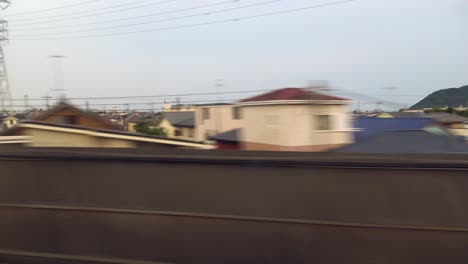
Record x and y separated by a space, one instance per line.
295 125
221 120
45 138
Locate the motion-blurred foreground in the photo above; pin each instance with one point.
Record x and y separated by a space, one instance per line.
234 183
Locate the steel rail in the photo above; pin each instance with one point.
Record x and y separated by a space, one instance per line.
231 217
74 257
423 164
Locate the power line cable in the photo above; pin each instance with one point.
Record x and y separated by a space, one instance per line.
53 8
146 96
86 11
192 25
131 18
70 17
152 22
125 104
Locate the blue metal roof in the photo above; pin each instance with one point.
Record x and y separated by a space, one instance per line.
408 141
370 126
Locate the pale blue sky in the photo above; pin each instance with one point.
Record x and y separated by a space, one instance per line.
418 46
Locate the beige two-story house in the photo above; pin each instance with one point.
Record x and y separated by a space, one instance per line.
294 119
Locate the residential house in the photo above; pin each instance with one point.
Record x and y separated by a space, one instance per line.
179 124
152 119
428 140
67 114
295 119
371 126
117 119
45 134
212 119
413 114
8 121
131 121
455 124
448 120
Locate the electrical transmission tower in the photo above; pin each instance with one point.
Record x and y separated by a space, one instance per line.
5 92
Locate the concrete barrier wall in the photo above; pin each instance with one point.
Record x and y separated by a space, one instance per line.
206 212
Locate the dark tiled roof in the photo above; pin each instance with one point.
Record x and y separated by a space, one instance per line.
447 118
63 105
186 123
21 116
410 141
133 118
407 114
182 118
291 94
370 126
229 136
154 118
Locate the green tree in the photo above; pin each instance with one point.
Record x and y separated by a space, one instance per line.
146 128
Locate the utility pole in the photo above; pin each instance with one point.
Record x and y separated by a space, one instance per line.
87 106
26 102
46 98
5 92
152 105
59 81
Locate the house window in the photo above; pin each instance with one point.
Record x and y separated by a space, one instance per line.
12 122
236 113
178 133
324 122
206 113
190 132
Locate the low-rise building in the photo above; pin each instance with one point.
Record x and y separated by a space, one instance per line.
67 114
370 126
213 119
295 119
179 124
428 140
43 134
8 121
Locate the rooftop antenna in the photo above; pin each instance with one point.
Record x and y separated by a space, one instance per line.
26 102
319 85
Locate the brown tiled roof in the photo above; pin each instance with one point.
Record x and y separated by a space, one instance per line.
288 94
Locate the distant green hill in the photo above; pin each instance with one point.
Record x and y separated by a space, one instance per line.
452 97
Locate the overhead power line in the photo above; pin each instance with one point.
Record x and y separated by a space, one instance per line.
71 17
53 8
193 25
130 18
152 22
148 96
136 104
